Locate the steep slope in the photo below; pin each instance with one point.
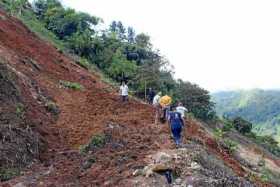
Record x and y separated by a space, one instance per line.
261 107
64 119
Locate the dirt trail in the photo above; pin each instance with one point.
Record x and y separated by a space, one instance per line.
94 110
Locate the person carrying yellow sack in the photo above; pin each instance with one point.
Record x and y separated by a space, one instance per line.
165 102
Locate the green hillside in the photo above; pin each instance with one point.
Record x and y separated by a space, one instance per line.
261 107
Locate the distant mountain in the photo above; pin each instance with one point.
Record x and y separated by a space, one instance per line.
261 107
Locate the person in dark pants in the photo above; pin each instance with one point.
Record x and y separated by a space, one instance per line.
151 95
176 123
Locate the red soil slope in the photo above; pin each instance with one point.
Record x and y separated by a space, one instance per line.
95 109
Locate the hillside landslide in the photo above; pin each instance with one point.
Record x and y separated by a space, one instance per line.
44 124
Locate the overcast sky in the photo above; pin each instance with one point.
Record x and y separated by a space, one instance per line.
218 44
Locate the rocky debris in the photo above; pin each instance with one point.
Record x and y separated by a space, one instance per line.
19 185
189 167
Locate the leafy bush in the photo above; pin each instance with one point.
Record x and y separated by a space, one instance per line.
218 133
96 141
71 85
84 63
241 125
227 125
20 110
266 175
52 107
230 145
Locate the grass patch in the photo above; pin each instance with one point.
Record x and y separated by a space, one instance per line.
7 174
84 63
71 85
30 20
266 175
97 141
20 110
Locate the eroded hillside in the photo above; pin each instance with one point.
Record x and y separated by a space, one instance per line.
52 107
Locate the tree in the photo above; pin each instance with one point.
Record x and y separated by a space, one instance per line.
130 35
143 40
196 99
241 125
17 6
82 44
113 26
121 68
121 31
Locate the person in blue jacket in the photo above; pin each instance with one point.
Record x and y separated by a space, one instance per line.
176 123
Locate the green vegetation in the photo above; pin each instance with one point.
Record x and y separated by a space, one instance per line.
84 63
96 141
52 107
241 125
20 110
230 145
27 16
118 51
218 133
261 107
226 143
71 85
7 174
267 142
245 128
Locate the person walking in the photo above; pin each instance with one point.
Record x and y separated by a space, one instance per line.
181 109
165 103
124 92
157 106
176 123
151 95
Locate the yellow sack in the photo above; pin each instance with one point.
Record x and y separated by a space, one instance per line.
165 101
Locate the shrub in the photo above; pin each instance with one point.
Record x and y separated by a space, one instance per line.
96 141
242 126
20 110
230 145
266 175
83 63
228 125
52 107
71 85
218 133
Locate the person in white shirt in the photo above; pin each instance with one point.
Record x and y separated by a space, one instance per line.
181 109
157 106
124 92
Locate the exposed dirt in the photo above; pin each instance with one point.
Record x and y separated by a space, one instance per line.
83 113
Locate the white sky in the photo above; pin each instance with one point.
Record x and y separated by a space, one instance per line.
218 44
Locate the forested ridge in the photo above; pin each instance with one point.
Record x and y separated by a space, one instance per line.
261 107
